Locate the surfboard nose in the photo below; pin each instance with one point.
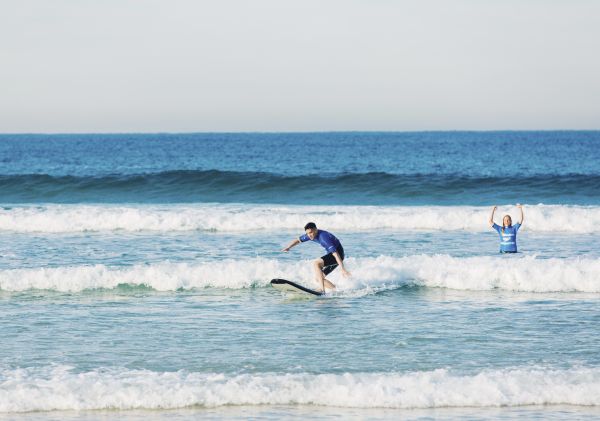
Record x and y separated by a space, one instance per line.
289 286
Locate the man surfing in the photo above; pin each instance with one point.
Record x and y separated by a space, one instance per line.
326 264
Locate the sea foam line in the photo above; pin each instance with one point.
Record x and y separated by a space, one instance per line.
60 388
247 218
482 273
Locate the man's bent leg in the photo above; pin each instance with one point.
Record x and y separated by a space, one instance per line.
320 276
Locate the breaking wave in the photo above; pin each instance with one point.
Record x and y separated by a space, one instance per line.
511 273
60 388
246 218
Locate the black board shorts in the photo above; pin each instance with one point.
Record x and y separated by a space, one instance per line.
329 262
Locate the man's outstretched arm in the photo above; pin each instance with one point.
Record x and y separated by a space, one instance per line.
292 244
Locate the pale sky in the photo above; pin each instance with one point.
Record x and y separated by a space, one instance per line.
72 66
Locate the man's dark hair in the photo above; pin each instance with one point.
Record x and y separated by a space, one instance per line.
310 226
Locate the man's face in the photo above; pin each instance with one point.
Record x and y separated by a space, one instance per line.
312 233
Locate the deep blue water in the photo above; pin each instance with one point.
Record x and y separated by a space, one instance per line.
366 168
475 154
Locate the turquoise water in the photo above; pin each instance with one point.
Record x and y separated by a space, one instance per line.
136 306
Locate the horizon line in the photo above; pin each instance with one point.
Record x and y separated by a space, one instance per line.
294 132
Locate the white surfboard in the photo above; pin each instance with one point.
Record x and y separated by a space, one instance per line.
289 286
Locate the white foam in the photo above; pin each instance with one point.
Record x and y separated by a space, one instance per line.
244 218
512 273
525 274
59 388
164 276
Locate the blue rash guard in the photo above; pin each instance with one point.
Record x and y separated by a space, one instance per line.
508 238
326 239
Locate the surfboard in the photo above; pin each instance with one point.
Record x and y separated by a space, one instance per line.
289 286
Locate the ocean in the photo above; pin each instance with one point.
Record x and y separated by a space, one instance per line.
135 269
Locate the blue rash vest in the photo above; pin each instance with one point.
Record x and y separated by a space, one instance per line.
326 239
508 238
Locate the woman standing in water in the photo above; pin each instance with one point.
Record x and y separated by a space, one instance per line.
507 232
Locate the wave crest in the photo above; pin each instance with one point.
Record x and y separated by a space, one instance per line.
525 274
244 218
261 187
